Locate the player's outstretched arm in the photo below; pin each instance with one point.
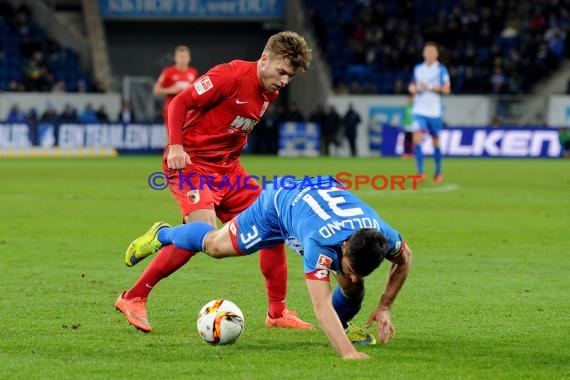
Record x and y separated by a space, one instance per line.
320 293
177 158
158 90
396 277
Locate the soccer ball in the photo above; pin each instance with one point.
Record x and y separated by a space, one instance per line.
220 322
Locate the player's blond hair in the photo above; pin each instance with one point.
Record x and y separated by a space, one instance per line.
290 46
182 48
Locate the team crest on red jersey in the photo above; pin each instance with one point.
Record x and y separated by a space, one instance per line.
193 197
203 85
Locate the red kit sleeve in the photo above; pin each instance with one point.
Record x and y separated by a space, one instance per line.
206 91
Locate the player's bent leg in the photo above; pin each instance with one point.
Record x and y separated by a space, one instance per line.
437 156
135 311
358 335
418 153
186 236
166 262
288 320
434 126
218 243
273 263
347 300
145 245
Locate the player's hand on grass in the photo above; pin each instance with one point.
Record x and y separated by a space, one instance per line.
385 327
177 158
356 356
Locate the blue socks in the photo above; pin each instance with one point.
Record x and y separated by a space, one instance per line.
437 158
345 308
419 158
186 236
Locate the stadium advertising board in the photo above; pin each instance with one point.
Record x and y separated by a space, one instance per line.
482 142
125 138
297 139
209 9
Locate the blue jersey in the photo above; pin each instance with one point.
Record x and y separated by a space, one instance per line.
314 218
428 103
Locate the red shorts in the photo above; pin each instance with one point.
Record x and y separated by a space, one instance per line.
198 188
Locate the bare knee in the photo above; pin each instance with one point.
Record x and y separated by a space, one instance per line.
206 216
418 137
435 141
218 244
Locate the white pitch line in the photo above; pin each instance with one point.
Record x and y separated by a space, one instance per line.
435 189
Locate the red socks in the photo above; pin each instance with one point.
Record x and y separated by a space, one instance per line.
166 262
273 263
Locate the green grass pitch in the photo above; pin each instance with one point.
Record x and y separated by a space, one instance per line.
488 295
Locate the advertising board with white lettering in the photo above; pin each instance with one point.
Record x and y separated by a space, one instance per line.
188 9
482 142
126 138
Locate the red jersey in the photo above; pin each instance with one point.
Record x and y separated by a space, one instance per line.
171 76
213 117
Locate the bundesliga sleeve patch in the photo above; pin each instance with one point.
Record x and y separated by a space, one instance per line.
203 85
324 262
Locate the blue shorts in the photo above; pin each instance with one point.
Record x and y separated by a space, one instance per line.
257 226
432 124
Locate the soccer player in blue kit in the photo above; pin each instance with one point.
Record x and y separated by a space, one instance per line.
331 228
430 82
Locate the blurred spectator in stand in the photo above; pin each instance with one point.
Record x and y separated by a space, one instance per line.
319 117
81 86
351 121
88 115
69 114
59 87
32 121
98 86
32 115
399 87
498 81
341 89
16 115
50 115
294 113
126 114
355 87
15 86
369 88
330 130
266 132
102 115
408 128
471 84
36 74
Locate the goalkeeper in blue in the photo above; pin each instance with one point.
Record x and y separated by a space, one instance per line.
334 231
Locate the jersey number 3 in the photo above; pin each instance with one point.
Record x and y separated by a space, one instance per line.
333 202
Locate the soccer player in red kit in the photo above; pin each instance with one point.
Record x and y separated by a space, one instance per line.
176 78
208 125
